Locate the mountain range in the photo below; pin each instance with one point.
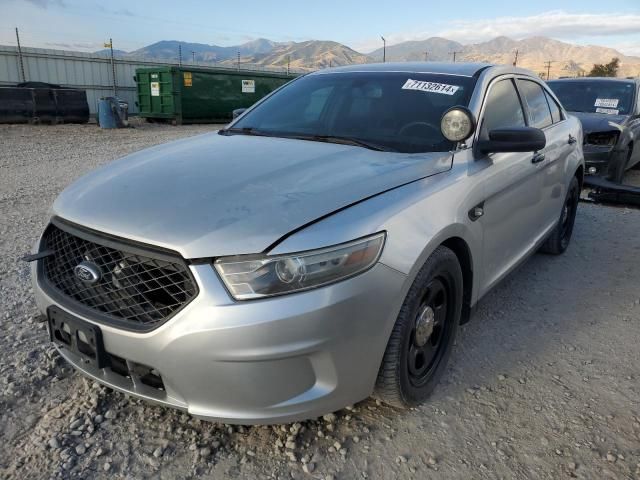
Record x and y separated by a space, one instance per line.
532 53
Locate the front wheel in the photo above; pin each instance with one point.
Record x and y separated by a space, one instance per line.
560 237
423 335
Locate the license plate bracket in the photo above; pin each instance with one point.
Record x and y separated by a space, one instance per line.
80 337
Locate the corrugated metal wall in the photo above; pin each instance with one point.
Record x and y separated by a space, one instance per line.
79 70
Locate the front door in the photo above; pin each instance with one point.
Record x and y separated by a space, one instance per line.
513 207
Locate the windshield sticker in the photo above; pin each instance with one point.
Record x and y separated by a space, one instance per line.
430 87
607 102
608 111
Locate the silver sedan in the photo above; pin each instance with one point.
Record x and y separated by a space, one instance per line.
322 248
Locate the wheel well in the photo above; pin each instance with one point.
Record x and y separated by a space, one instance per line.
580 175
462 251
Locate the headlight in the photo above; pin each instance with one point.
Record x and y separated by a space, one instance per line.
256 276
602 139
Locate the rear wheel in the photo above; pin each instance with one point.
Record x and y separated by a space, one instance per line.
560 237
421 340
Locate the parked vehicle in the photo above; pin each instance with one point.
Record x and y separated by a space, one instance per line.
323 246
609 109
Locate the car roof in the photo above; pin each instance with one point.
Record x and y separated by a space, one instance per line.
465 69
597 79
459 68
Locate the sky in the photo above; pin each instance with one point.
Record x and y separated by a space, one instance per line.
86 24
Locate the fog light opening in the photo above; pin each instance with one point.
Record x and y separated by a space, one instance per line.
592 170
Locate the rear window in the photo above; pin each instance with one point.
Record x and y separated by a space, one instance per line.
611 97
398 110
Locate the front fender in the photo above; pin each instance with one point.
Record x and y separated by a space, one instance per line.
417 217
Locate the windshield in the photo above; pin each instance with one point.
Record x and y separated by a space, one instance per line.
595 96
392 111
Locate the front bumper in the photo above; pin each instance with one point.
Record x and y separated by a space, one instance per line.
599 158
604 159
275 360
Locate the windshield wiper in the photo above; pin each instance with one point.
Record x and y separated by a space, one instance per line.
343 141
245 131
313 137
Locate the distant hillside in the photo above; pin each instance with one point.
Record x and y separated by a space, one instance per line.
168 50
433 49
313 54
567 59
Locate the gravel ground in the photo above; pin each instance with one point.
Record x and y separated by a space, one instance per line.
543 383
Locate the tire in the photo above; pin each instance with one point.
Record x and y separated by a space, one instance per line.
559 239
421 341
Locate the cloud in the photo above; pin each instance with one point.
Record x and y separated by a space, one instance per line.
46 3
628 48
556 24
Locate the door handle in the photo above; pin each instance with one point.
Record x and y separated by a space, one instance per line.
537 158
572 140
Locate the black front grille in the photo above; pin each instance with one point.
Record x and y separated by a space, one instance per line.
137 287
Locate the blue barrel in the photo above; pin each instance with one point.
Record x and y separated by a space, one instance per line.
112 113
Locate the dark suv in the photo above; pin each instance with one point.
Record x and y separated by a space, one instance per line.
609 109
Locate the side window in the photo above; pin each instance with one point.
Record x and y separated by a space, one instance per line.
539 112
503 108
556 113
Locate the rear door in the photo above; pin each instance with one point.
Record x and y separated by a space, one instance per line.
544 113
513 188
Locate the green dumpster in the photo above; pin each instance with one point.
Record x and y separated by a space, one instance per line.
201 95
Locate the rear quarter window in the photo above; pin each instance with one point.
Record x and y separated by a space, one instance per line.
539 112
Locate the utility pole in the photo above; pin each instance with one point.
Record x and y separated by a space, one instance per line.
288 63
193 55
24 78
180 55
238 60
455 54
426 56
113 65
384 49
548 65
515 60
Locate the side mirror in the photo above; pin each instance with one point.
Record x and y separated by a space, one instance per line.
516 139
237 112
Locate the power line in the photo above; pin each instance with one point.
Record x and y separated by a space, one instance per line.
548 65
24 78
455 54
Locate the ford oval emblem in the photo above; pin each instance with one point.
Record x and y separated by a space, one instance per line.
87 272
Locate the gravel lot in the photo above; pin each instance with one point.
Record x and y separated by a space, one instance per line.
543 383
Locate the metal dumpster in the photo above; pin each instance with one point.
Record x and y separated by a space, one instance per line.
37 102
200 95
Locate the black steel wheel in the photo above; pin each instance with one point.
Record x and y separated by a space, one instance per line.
422 337
560 237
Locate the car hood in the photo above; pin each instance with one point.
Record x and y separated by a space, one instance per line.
215 195
600 122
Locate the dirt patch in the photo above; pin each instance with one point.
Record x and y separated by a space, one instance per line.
543 382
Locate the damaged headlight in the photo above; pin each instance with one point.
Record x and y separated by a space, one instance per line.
602 139
257 276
